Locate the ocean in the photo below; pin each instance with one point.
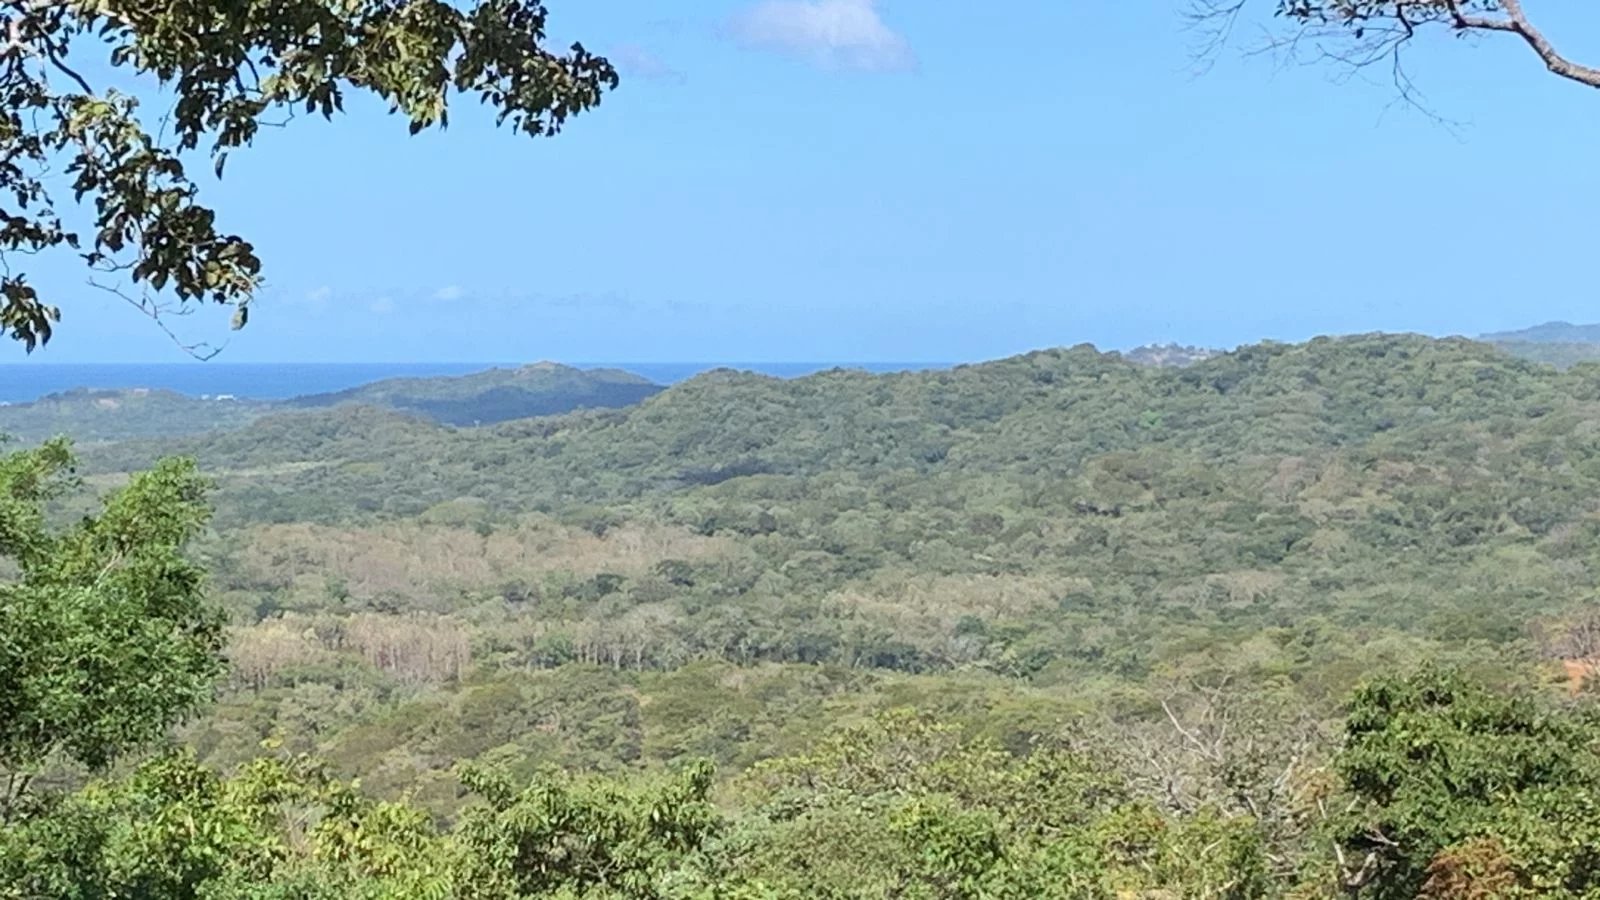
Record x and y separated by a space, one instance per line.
22 382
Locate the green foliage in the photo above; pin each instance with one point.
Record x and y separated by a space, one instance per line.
105 637
1449 790
560 838
172 829
229 67
905 806
282 828
1462 787
727 568
1057 517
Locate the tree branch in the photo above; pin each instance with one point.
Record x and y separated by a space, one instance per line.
61 64
1377 30
1517 23
202 350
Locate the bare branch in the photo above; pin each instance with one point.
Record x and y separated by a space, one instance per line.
202 350
1518 23
1213 22
1358 35
1209 751
59 63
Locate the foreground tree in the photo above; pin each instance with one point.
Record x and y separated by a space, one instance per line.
1461 791
105 636
1362 33
285 829
229 68
903 805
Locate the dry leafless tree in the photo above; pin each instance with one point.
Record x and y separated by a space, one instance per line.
1356 35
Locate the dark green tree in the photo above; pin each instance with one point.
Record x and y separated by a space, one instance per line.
1467 792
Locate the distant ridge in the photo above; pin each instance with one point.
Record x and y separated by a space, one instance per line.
1559 344
972 421
102 414
547 388
496 395
1548 333
482 398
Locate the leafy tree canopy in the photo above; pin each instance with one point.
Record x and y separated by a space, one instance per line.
105 636
229 68
1466 792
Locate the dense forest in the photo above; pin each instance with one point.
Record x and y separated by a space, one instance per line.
1060 625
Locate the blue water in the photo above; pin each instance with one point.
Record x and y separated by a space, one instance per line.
21 382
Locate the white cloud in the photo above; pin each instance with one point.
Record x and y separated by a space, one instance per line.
846 34
382 306
449 292
638 62
320 294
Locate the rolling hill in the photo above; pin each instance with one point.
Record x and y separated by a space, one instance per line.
93 415
1559 344
1548 333
496 395
1379 485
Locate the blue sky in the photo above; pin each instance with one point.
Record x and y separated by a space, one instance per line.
911 180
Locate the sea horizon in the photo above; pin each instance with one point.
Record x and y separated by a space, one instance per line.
25 382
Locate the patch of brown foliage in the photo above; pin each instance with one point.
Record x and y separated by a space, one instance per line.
1578 672
415 649
1476 869
418 564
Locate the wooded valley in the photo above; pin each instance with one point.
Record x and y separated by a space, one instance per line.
1055 625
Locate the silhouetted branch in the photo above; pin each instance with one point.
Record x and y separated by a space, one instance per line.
157 313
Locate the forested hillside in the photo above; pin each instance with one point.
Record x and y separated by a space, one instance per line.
1287 515
496 395
1366 482
1091 626
93 415
1311 621
1560 354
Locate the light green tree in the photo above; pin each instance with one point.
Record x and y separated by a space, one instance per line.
105 636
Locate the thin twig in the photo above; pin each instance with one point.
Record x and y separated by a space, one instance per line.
156 313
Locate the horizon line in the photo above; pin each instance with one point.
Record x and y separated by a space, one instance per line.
500 362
